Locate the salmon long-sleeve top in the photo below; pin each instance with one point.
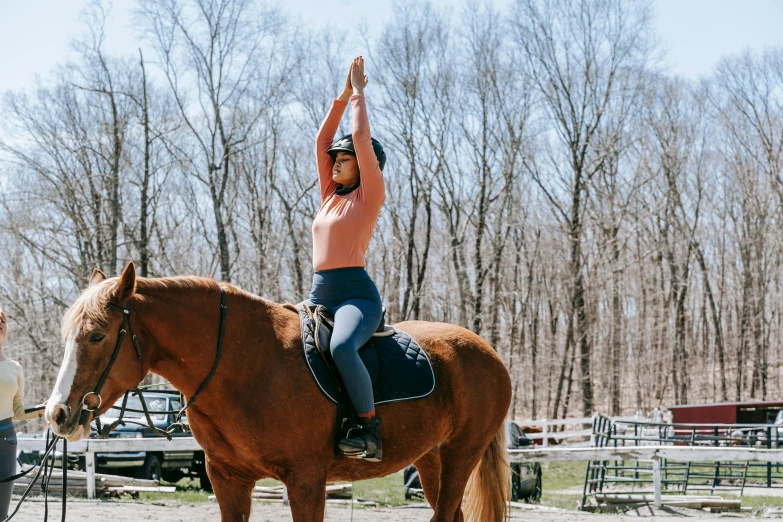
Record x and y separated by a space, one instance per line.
344 224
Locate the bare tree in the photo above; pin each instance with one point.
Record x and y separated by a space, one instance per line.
225 49
416 90
611 230
70 168
576 52
675 120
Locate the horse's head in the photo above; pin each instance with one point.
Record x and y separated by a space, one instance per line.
91 329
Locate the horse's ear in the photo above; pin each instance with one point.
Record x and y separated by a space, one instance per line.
126 285
97 276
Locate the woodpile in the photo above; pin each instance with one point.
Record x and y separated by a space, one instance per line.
533 507
619 502
335 494
529 430
333 491
105 485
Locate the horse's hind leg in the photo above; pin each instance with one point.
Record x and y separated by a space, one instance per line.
307 495
233 493
456 465
428 467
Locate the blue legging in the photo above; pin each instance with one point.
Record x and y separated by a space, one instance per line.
353 299
7 463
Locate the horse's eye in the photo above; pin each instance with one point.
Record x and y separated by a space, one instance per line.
96 338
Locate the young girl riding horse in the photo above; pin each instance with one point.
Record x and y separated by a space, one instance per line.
352 193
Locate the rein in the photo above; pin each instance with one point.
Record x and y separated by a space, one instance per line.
104 432
125 328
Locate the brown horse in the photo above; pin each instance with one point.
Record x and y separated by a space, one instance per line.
262 414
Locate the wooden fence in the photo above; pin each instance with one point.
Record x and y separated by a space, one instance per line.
92 446
653 454
548 433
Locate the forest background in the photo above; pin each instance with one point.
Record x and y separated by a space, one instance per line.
610 228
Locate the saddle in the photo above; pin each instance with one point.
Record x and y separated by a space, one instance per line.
399 368
323 323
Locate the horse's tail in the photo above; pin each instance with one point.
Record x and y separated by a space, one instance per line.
489 486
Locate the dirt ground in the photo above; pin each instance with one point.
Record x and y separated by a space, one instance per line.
175 512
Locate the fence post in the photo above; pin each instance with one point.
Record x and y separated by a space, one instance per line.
545 432
89 463
769 464
656 462
285 494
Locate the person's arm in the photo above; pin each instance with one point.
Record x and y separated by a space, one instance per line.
325 137
372 177
18 404
323 141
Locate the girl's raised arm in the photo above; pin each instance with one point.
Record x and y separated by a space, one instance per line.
325 136
372 177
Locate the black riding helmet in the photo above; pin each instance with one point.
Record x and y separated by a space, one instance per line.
345 144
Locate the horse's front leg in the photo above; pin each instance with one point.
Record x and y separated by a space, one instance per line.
232 491
307 494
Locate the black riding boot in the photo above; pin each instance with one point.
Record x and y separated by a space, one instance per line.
364 440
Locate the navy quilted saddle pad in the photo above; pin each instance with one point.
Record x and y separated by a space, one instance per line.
398 366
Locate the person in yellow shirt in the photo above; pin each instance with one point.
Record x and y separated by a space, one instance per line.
11 408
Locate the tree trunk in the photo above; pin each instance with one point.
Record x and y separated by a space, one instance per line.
741 350
582 339
478 254
114 201
616 323
422 269
718 329
143 245
217 194
567 361
411 243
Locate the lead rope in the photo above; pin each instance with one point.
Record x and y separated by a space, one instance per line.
47 477
45 473
65 475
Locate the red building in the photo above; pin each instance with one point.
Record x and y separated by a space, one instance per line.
726 413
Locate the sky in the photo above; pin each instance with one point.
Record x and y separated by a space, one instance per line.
695 34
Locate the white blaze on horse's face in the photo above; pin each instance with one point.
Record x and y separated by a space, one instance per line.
62 388
83 326
57 409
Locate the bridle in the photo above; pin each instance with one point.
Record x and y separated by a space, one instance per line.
125 328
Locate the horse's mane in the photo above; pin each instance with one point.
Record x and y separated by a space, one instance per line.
91 304
168 283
